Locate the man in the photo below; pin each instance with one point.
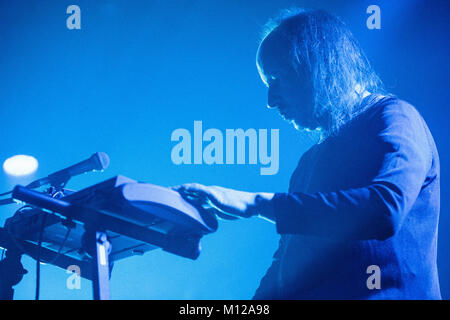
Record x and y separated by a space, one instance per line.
360 218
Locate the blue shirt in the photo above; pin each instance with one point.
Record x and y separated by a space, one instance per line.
365 198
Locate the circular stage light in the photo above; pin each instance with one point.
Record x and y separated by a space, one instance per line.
20 165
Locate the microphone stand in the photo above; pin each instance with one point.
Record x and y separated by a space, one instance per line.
95 242
11 268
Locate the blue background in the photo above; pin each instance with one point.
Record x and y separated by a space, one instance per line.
137 70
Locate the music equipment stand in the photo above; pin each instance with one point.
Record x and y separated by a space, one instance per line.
98 209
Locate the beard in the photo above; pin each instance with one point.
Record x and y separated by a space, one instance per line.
302 121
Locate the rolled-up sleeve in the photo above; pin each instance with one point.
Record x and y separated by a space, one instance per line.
375 211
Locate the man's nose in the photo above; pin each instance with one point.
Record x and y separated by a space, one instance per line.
273 99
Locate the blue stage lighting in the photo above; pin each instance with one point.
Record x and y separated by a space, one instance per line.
20 165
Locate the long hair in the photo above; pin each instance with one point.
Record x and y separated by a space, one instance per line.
340 71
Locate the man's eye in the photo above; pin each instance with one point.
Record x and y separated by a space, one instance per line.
272 79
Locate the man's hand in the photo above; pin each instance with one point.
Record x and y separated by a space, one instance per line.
227 203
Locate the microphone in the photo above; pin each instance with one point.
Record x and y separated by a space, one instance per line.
97 162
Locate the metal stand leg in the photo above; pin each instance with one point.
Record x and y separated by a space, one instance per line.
100 281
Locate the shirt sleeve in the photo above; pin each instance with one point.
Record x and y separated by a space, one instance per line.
375 211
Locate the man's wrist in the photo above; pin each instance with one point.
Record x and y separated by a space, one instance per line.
264 205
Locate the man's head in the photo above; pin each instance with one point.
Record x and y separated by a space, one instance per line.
315 71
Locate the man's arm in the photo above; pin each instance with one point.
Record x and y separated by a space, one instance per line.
375 211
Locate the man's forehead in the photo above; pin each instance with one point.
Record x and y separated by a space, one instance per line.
273 52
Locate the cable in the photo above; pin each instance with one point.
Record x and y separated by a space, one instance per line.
5 193
38 258
61 246
40 239
12 236
41 234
